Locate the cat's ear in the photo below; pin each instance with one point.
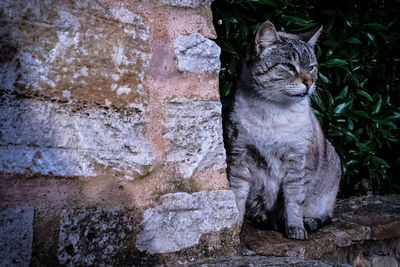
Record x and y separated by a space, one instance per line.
311 37
265 37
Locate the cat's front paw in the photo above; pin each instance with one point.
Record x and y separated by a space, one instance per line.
311 224
294 232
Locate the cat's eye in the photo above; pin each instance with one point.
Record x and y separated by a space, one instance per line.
289 67
312 68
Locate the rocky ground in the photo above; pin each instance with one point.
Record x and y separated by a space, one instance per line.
365 232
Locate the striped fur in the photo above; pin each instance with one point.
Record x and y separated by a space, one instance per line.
280 166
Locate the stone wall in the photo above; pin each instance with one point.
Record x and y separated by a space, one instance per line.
110 133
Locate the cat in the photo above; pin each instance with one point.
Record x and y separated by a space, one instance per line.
281 168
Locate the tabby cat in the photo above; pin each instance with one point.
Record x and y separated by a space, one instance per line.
280 166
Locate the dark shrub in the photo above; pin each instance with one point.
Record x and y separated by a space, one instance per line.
359 71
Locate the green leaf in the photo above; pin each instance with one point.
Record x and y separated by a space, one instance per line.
395 116
330 43
390 124
365 94
353 40
350 134
378 107
318 102
362 113
232 66
226 88
300 21
269 3
331 100
228 48
364 147
336 62
393 139
352 162
376 26
370 36
381 161
350 125
323 78
340 109
342 93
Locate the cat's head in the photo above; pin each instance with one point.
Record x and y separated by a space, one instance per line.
283 67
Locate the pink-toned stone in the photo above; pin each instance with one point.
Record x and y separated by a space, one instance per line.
169 22
210 179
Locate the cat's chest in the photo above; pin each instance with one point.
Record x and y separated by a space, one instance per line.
278 128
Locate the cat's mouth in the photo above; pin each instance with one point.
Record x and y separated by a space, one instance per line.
294 94
300 95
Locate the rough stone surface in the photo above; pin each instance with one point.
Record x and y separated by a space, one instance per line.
16 234
96 236
197 53
261 261
187 3
95 89
383 261
193 131
58 139
74 50
180 220
362 227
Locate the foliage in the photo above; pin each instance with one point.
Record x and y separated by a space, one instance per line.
359 91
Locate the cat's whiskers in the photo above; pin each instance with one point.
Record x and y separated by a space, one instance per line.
317 93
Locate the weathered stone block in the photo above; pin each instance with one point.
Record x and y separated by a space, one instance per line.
59 139
197 53
96 237
16 234
74 50
181 219
193 130
187 3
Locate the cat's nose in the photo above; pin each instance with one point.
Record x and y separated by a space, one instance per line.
306 79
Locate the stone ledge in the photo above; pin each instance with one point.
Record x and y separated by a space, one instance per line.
364 230
261 261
